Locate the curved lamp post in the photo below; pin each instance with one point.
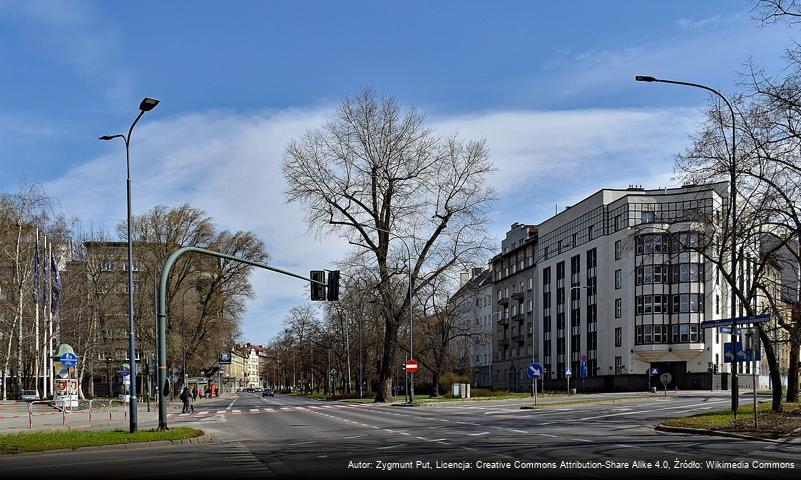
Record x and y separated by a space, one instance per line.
146 105
733 201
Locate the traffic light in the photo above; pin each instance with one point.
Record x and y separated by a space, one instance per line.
317 284
333 285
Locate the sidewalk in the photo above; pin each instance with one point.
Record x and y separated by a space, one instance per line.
15 419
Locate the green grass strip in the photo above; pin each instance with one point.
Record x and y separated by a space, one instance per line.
41 441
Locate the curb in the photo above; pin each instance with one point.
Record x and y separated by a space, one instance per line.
205 438
702 431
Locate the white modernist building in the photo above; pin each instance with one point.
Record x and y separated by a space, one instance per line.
621 286
472 307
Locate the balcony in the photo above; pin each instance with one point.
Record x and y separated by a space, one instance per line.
503 300
519 317
518 296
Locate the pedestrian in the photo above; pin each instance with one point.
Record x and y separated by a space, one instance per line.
185 397
194 392
190 403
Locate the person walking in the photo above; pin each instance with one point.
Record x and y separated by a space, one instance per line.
194 392
190 402
186 399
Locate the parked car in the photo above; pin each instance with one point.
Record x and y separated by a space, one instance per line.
29 396
268 392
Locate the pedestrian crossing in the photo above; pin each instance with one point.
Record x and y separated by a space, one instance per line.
268 410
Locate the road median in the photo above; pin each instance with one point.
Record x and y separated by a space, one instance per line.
770 426
68 441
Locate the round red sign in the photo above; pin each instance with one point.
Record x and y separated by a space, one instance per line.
411 366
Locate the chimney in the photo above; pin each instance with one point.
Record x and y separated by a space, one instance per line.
477 271
464 277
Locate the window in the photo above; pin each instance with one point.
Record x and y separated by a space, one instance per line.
638 331
618 279
647 330
618 248
619 337
619 363
618 308
684 333
531 283
647 217
657 333
590 231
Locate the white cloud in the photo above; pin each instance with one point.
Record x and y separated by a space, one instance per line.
228 164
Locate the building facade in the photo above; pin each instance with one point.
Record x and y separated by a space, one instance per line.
515 341
472 306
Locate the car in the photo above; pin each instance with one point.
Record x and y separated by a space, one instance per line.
258 389
29 395
267 392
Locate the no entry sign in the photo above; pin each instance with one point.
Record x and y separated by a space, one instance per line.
411 366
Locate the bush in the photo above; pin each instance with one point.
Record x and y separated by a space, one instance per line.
486 392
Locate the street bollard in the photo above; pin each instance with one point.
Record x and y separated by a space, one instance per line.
109 411
63 413
30 415
90 411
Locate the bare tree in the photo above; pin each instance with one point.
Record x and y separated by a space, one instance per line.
374 174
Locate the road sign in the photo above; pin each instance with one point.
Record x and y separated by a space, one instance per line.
535 371
568 372
736 321
173 378
583 369
665 378
69 359
654 371
584 358
225 357
411 366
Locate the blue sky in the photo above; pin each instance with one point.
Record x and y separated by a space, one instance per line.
548 84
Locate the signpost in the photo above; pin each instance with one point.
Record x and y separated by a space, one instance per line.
535 373
69 359
665 378
225 357
411 366
735 321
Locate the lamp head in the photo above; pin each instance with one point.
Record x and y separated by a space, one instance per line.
105 137
644 78
148 104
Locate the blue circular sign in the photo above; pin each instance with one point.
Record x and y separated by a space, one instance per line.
535 371
69 359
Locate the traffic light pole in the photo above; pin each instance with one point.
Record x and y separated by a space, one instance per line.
161 333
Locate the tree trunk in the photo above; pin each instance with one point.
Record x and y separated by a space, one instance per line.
792 372
775 376
385 376
435 383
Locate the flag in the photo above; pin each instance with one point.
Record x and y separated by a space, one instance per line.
37 266
56 292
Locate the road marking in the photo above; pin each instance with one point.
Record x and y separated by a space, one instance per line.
519 431
299 443
478 434
254 409
355 436
388 447
624 446
236 411
580 440
649 411
547 435
231 404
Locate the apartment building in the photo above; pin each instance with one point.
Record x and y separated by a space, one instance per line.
515 342
472 307
624 287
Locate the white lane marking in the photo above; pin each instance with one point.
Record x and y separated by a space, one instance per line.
354 436
236 411
388 447
232 403
650 411
254 409
220 411
519 431
580 440
204 413
478 434
624 446
299 443
547 435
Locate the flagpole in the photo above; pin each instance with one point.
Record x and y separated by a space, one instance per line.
36 263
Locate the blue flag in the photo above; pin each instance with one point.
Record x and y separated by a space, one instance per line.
56 293
37 266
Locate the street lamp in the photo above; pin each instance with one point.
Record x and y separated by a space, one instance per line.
570 336
146 105
733 202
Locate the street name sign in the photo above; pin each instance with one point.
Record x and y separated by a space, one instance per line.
735 321
535 371
69 359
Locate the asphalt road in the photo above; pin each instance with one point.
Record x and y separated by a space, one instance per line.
292 437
